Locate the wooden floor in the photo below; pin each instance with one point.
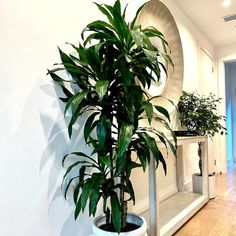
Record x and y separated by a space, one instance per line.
218 217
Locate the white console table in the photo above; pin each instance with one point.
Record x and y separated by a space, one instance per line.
168 216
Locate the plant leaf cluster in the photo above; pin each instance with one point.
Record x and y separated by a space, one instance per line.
199 113
107 79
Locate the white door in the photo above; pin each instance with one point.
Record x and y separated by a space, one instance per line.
208 84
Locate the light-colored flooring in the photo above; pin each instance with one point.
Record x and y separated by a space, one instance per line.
218 216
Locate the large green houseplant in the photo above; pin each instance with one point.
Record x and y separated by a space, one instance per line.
108 76
199 114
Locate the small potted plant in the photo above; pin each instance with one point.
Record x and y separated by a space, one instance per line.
198 114
108 77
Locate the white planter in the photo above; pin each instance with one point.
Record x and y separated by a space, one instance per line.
197 184
131 218
212 186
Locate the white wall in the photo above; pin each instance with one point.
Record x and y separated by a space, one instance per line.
32 129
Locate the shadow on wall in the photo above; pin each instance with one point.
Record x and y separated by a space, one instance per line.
58 145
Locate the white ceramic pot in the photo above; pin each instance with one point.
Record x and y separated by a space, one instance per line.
131 218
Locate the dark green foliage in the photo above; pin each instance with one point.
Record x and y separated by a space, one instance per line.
108 76
199 113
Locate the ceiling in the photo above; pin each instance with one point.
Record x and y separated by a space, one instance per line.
208 15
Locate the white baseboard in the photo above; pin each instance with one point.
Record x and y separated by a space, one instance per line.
188 186
167 192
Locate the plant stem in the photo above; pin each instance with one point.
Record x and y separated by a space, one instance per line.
200 158
122 201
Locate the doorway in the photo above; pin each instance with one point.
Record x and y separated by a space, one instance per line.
230 91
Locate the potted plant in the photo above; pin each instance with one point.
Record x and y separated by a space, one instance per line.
108 77
198 114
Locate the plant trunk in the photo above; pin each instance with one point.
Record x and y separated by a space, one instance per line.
200 158
123 203
108 216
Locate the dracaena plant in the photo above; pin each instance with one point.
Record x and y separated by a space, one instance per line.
108 75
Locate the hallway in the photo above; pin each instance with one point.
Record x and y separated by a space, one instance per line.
218 217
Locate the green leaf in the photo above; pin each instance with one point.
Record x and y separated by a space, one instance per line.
120 165
105 12
92 58
129 166
166 125
124 12
151 55
105 160
77 208
137 37
75 101
85 193
167 58
101 88
65 58
66 92
56 69
117 7
99 26
162 138
95 192
153 32
102 36
143 156
121 27
163 162
66 186
136 16
67 61
149 111
80 184
151 143
76 164
57 78
88 127
116 211
125 136
74 117
102 131
80 154
130 190
163 111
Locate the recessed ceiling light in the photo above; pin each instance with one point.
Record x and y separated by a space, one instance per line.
226 3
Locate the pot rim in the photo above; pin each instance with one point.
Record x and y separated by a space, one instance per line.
143 224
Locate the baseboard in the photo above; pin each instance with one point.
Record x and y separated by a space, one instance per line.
188 186
167 192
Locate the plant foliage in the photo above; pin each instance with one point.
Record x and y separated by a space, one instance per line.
107 79
199 113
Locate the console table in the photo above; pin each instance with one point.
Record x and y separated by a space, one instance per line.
168 216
